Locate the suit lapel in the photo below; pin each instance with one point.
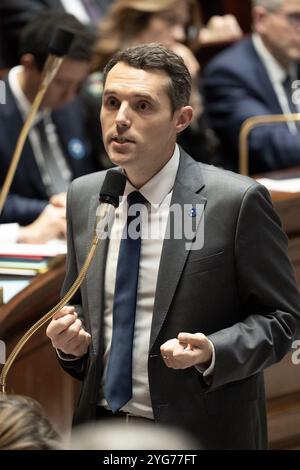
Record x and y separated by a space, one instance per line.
265 88
95 277
175 251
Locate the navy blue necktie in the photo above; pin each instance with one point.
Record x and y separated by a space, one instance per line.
118 381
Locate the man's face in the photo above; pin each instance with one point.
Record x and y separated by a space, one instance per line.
65 85
280 30
138 125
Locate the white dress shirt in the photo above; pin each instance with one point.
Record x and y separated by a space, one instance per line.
277 74
76 8
158 191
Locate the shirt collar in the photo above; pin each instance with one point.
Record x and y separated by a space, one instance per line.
22 102
157 188
275 71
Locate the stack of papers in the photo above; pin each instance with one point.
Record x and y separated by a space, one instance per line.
29 260
286 185
12 285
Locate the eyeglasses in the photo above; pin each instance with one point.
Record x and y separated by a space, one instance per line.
292 18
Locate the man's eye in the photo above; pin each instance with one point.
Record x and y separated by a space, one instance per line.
143 106
111 102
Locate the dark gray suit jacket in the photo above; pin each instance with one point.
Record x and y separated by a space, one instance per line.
239 289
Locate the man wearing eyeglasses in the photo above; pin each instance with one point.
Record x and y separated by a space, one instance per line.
259 76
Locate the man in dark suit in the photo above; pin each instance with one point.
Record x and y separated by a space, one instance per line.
59 146
15 14
214 305
253 78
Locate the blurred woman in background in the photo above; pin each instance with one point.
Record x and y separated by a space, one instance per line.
167 21
176 24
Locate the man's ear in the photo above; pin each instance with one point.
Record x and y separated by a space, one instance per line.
28 61
259 17
183 117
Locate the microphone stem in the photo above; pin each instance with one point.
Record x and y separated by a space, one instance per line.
74 287
104 218
51 67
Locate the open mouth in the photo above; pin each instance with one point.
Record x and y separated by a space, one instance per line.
121 140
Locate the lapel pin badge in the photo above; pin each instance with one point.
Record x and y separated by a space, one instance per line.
192 212
76 149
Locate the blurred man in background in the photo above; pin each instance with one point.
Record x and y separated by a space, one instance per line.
15 14
59 146
254 77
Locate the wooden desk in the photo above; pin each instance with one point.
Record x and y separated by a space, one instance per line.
36 371
283 379
287 206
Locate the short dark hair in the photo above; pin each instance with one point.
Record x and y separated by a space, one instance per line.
37 34
157 57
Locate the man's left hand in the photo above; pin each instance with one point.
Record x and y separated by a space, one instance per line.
187 350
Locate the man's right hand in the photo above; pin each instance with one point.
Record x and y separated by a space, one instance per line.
66 333
50 224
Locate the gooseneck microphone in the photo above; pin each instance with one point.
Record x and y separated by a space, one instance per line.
109 198
60 42
112 188
111 191
58 47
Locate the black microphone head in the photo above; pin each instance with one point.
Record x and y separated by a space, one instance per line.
113 187
60 42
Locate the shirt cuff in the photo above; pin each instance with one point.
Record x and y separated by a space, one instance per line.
211 368
66 357
9 233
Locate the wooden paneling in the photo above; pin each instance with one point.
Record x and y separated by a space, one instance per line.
37 373
283 379
241 9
